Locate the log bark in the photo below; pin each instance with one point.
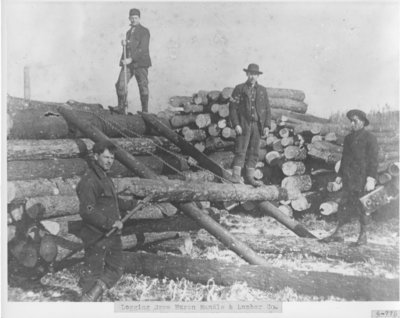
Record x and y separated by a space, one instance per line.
38 124
282 115
193 108
188 208
325 151
68 168
197 176
291 168
180 101
288 104
302 183
70 148
286 93
179 121
263 277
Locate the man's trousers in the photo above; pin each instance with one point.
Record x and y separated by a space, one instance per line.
247 146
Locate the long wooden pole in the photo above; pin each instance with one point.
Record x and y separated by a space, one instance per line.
207 163
188 208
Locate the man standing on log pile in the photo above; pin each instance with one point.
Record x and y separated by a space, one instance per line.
357 174
99 207
135 61
250 115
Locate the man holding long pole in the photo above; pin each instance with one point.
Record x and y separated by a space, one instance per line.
135 61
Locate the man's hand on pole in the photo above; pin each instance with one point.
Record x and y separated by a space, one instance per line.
118 225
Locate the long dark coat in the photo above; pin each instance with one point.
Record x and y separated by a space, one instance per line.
240 107
359 160
137 47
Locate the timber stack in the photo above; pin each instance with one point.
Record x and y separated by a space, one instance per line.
46 157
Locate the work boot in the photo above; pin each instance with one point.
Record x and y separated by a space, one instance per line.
236 175
120 110
95 292
145 103
362 238
250 178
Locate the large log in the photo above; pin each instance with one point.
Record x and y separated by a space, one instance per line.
188 208
273 279
325 151
68 168
302 182
286 93
288 104
179 121
283 115
70 148
41 124
291 168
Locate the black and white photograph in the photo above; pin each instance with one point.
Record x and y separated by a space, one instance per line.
192 157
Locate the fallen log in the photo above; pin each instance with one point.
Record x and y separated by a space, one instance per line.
325 151
70 148
288 104
267 278
187 208
68 168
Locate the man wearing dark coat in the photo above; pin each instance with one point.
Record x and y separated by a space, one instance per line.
250 116
357 174
100 209
137 63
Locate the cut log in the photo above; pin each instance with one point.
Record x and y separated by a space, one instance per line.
286 115
300 204
329 207
284 132
70 148
200 98
291 168
193 108
213 130
302 183
384 178
271 139
226 94
222 123
179 101
166 114
194 134
228 133
213 96
179 121
271 156
295 153
191 176
331 137
217 144
317 138
203 120
223 110
214 108
277 146
68 168
287 141
268 278
286 93
325 151
288 104
258 174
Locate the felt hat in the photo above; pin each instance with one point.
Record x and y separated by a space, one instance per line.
134 12
253 68
360 114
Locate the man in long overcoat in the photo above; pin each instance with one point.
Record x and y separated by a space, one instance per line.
100 209
137 63
250 116
357 174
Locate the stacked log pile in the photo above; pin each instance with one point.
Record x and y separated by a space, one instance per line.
300 151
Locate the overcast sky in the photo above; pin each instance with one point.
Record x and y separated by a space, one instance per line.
342 55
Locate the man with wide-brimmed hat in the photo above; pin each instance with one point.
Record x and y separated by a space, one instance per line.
250 115
135 61
357 174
